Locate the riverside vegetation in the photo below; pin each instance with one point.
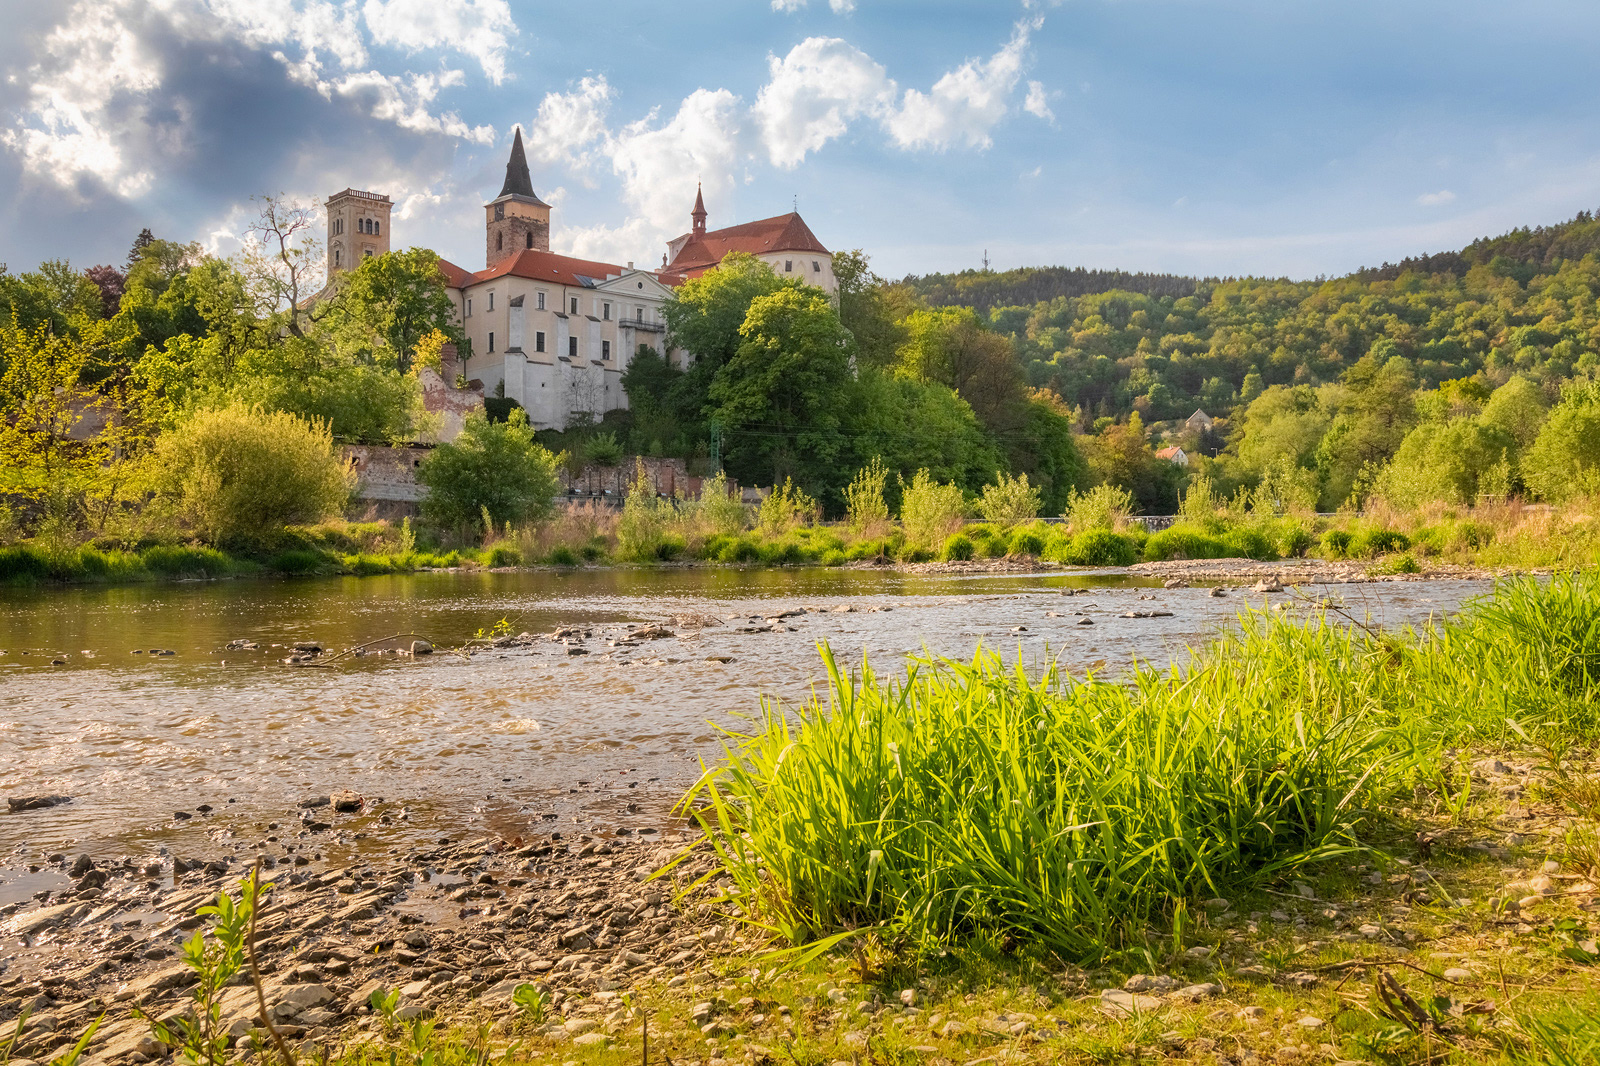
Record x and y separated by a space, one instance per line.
1310 842
145 412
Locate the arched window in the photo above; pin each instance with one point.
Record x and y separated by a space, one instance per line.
377 228
529 236
336 257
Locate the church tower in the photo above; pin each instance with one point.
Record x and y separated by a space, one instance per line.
516 220
698 215
358 227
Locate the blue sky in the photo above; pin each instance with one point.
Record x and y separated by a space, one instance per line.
1196 136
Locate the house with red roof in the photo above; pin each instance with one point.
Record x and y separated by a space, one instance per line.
554 332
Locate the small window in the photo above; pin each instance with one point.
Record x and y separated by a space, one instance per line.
605 311
538 341
499 242
574 305
469 307
369 253
491 341
541 301
605 349
572 347
788 266
377 228
638 314
529 237
816 267
491 299
336 257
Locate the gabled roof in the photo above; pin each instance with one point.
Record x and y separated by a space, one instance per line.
455 277
782 233
548 266
1169 453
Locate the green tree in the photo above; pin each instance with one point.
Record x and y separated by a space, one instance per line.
388 304
780 398
239 475
493 466
950 346
1519 408
1564 461
870 308
1282 421
912 425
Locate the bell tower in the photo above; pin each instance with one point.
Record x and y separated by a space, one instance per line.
358 227
516 220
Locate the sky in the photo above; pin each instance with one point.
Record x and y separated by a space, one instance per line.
1216 137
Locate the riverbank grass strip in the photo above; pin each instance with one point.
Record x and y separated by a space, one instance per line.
967 799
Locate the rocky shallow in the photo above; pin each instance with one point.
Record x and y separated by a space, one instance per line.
449 926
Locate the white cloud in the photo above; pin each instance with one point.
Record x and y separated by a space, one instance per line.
1038 102
99 75
1436 199
965 104
87 62
659 166
570 125
813 94
840 7
478 29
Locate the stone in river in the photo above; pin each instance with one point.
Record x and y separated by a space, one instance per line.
35 803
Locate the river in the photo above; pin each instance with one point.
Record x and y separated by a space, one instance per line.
511 741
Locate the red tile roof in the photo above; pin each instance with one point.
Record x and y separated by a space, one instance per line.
783 233
454 276
1168 453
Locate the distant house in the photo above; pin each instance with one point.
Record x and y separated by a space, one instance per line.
1174 454
1199 421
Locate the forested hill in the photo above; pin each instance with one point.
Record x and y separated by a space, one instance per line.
1535 251
984 289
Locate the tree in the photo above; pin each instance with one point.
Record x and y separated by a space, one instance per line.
1518 407
388 304
870 308
781 396
706 315
1564 461
1009 501
1282 421
951 346
911 425
1043 448
240 474
112 283
493 466
44 401
283 263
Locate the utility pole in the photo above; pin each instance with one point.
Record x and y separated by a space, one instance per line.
986 259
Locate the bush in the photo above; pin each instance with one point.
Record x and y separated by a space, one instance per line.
644 522
1177 542
603 449
240 475
185 562
1398 564
1102 507
23 564
295 561
561 555
491 466
865 508
719 511
784 508
957 548
1026 542
834 557
1009 502
500 555
1336 543
1101 547
1294 540
1248 544
1375 542
929 511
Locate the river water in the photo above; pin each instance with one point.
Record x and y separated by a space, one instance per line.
509 741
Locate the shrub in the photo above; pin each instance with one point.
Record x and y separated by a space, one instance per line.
911 554
957 548
1336 543
1009 502
1102 507
784 508
1249 544
239 475
833 557
1294 540
1397 564
493 467
603 449
929 511
295 561
365 564
561 555
719 511
1177 542
185 562
865 509
500 555
23 564
1374 542
1101 547
739 550
1026 542
644 520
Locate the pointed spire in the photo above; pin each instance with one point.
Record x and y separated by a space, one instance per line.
699 212
518 181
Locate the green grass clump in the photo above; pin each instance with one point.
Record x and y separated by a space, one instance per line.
1026 541
186 562
970 800
1374 542
834 557
561 555
1182 542
1100 547
1336 543
296 561
1248 543
957 548
503 555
